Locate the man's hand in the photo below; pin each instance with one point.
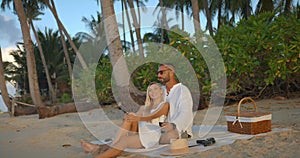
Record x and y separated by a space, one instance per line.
167 126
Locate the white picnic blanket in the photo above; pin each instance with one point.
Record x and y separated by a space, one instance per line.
220 133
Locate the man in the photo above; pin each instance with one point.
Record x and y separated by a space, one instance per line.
180 117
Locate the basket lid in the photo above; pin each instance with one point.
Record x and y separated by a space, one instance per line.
248 114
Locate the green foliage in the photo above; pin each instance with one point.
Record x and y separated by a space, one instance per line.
65 98
144 75
83 85
197 49
182 42
103 80
260 51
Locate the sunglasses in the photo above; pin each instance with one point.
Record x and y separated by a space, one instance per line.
160 72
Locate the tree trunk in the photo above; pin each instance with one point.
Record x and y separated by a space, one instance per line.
123 26
139 13
120 70
129 25
163 21
21 110
182 17
287 7
195 8
62 37
165 26
208 17
219 13
60 25
30 60
50 111
53 110
3 87
65 50
51 90
137 29
248 9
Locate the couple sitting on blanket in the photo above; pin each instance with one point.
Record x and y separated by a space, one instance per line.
141 129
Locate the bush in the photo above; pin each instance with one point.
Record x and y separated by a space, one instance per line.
261 53
65 98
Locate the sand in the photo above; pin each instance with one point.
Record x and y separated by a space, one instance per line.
28 136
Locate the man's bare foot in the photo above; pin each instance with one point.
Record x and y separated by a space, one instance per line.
89 147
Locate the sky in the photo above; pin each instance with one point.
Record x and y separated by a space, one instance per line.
69 11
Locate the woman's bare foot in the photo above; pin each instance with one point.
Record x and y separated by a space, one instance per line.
89 147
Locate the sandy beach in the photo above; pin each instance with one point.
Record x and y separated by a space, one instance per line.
28 136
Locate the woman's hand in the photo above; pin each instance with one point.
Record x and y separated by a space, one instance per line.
132 117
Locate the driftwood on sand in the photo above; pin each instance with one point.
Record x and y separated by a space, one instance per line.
49 111
57 109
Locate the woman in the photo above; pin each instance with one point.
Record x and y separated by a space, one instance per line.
139 130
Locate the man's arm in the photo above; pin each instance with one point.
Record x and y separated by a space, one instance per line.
184 110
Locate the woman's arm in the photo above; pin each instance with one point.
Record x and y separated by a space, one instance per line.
161 111
128 115
140 111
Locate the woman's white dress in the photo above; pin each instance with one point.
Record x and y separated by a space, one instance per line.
150 132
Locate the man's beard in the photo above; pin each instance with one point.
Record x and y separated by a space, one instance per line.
164 80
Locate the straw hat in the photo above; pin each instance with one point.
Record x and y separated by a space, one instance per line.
178 147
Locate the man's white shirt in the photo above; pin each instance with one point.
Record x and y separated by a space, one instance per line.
181 108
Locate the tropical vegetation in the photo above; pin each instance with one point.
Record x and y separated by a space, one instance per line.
259 42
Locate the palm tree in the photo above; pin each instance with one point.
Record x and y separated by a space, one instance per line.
120 73
61 29
136 25
229 9
129 25
220 6
18 72
246 9
196 17
55 59
159 35
288 6
96 28
208 17
32 11
242 8
179 6
32 73
53 52
226 11
51 6
217 6
163 20
264 6
3 87
140 4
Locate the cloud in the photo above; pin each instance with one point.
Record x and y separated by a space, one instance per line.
5 54
10 33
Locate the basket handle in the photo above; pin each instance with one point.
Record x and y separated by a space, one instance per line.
241 101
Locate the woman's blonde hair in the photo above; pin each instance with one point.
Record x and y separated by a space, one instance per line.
148 101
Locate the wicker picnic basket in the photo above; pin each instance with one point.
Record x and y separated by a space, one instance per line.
248 122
